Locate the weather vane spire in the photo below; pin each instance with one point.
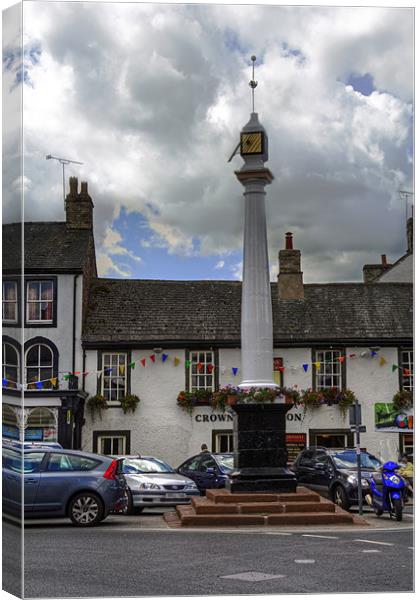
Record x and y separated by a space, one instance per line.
253 84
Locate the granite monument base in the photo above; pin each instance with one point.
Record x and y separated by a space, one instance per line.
260 457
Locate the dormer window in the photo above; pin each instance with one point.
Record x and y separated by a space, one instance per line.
10 304
39 301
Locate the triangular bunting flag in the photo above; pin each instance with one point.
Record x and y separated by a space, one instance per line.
382 362
53 381
210 368
406 372
5 382
152 357
176 361
108 371
66 377
132 365
394 368
143 362
373 353
76 373
341 359
199 366
317 365
122 370
234 370
305 367
352 356
164 357
39 384
187 364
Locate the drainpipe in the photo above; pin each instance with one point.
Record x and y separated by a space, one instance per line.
73 362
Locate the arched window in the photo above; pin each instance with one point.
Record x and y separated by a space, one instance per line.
10 365
42 417
39 364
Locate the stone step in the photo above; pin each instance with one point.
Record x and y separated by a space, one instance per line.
319 518
225 497
281 507
233 520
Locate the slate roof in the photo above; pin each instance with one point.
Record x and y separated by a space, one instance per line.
49 247
139 312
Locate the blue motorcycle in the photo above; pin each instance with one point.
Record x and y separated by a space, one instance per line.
387 491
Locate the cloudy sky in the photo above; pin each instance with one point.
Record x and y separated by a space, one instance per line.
152 97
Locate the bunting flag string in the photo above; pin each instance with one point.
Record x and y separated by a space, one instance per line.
209 368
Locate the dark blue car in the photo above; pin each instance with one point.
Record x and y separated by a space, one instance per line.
56 482
208 470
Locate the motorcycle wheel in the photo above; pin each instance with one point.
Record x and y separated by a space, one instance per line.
398 509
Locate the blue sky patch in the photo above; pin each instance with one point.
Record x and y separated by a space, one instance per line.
361 83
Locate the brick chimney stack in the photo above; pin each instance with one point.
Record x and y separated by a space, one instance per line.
79 206
290 277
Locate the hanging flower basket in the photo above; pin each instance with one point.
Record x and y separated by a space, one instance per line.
129 403
403 399
258 396
226 396
312 399
188 400
96 404
292 395
345 399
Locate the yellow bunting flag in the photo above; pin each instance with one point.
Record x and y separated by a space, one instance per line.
53 381
122 369
317 365
382 362
176 361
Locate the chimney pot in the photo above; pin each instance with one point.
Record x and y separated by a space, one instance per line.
383 259
289 241
84 187
73 184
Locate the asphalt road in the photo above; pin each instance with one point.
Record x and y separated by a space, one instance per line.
131 557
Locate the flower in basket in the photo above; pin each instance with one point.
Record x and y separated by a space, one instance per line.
403 399
292 395
187 401
96 404
311 399
129 402
344 399
260 395
226 396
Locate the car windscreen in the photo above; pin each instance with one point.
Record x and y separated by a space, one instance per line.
348 460
133 466
225 462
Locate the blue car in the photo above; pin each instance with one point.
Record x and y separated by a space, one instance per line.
208 470
56 482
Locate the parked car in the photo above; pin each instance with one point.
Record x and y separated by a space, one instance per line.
26 444
208 470
333 473
82 486
152 482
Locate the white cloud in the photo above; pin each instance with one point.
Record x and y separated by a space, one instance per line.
152 98
220 264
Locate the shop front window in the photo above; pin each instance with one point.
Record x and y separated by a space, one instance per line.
407 369
41 425
39 366
39 301
114 380
201 371
10 305
328 369
10 366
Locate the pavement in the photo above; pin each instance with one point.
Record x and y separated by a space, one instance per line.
141 556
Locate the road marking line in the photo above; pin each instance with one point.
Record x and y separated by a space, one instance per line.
325 537
276 533
372 542
371 551
304 560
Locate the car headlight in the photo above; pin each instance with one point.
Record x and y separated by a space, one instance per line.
149 486
352 479
365 483
191 486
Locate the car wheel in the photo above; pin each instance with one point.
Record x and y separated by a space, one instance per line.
379 512
340 497
86 510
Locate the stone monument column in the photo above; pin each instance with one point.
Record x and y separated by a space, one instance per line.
260 455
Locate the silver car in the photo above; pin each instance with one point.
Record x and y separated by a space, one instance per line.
152 482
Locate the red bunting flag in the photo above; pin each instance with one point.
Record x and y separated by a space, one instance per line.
143 362
199 366
352 356
152 357
341 359
210 368
406 372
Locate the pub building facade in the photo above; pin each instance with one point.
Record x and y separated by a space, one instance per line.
85 337
156 338
44 303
